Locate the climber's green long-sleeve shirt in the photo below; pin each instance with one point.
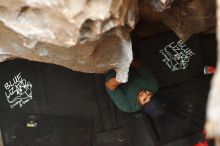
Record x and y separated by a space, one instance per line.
125 96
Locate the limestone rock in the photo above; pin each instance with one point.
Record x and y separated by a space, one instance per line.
187 17
160 5
150 22
184 17
66 22
213 106
83 35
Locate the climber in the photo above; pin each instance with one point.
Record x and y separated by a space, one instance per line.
137 94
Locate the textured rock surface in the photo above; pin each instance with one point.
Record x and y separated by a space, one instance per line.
93 35
160 5
181 16
184 17
213 108
66 22
187 17
82 35
150 22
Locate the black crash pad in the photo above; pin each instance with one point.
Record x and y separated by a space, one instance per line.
45 130
55 90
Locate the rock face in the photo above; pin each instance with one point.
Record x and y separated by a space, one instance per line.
160 5
213 106
88 36
184 17
66 23
93 35
150 22
187 17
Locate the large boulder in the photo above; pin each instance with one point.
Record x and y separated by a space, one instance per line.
86 35
187 17
184 17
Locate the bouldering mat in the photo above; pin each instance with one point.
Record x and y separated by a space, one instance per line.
33 88
45 130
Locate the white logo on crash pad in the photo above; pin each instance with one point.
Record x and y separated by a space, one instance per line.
176 55
18 91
